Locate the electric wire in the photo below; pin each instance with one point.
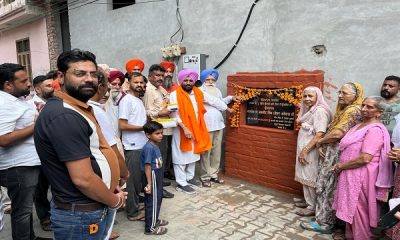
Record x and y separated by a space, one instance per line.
240 36
110 3
180 23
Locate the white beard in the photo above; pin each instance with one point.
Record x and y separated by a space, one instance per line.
212 90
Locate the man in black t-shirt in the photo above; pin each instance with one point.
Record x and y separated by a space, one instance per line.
81 167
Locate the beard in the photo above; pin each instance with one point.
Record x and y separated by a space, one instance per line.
187 88
21 93
212 90
385 94
80 93
167 82
114 94
47 95
140 91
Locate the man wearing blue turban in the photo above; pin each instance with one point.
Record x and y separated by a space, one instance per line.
215 124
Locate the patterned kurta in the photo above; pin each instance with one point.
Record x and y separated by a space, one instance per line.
327 179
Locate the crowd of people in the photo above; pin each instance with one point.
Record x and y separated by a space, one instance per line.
345 161
103 141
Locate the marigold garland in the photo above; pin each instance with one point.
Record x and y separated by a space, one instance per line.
244 94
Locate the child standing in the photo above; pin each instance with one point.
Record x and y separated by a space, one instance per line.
152 179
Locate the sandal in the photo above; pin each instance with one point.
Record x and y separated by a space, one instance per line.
217 180
161 223
114 235
314 226
157 231
206 183
305 212
301 204
139 217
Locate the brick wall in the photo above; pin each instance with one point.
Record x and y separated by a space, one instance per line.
261 155
52 38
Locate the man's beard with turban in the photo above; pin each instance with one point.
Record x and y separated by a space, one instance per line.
167 82
211 89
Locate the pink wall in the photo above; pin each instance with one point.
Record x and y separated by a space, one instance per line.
37 33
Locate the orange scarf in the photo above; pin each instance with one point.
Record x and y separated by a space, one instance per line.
197 125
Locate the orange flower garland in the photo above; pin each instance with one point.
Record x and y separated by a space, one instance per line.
244 94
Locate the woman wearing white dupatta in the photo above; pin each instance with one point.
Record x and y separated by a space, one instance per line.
314 117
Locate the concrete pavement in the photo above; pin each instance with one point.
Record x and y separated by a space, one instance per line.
235 210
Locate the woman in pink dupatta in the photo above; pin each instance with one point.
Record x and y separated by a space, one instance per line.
365 172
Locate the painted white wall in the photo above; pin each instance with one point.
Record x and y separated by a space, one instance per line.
359 35
37 34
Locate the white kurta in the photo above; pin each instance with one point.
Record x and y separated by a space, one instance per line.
213 117
179 157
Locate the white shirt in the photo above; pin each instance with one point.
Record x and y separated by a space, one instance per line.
179 157
213 117
132 109
104 122
17 114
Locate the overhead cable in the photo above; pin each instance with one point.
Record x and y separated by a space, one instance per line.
240 36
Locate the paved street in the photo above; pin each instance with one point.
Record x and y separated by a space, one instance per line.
236 210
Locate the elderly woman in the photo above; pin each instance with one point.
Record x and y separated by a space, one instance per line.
348 114
314 117
365 173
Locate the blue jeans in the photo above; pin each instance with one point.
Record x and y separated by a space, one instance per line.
110 219
76 225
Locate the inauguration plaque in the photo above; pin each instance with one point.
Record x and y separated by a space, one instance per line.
271 111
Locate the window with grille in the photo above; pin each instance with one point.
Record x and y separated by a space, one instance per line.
122 3
24 55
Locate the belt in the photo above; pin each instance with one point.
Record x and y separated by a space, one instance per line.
88 207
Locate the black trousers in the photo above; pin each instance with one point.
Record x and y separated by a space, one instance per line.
42 204
134 182
166 154
152 201
21 185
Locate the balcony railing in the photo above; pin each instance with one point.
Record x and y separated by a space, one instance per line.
14 13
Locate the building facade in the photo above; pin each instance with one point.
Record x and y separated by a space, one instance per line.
30 34
348 40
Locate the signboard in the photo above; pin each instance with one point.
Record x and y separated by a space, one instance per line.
270 111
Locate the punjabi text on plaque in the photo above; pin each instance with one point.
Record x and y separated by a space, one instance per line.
271 111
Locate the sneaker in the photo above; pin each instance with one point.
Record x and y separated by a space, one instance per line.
194 182
186 189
